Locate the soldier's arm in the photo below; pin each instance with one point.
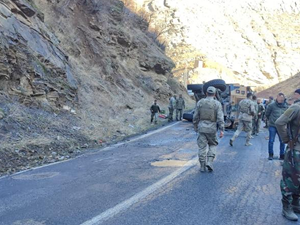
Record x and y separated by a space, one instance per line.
268 111
220 117
158 109
196 118
283 120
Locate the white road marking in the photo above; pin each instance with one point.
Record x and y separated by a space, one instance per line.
110 213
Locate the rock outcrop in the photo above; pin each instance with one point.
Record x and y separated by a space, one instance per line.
73 75
32 66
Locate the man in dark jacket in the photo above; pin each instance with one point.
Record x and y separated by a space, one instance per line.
273 112
154 112
268 102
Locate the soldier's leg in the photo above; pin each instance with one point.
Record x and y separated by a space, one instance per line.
212 148
258 125
155 117
296 202
248 130
177 111
171 114
202 144
238 131
290 185
253 127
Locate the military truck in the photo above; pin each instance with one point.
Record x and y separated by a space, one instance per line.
229 96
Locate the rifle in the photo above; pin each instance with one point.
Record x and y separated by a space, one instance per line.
293 141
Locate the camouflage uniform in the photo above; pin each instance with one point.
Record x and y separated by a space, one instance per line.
180 105
290 183
261 110
255 117
246 111
207 117
172 105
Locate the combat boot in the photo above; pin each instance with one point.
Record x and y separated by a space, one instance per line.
209 165
231 142
288 213
296 205
202 166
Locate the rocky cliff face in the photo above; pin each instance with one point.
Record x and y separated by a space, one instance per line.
254 42
287 87
74 74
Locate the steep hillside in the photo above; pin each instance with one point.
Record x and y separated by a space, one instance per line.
252 42
74 74
287 87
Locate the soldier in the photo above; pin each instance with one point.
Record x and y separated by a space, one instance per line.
154 111
255 117
261 110
180 105
207 117
172 105
246 112
273 112
288 126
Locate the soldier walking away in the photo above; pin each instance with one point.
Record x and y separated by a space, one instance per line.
255 117
180 105
288 126
261 111
207 118
172 105
273 112
246 113
154 112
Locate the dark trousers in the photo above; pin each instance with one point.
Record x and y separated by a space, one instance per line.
171 111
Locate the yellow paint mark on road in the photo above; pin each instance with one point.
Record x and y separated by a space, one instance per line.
278 173
232 190
169 163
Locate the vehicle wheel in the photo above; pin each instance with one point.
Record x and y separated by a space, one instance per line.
188 116
195 87
217 83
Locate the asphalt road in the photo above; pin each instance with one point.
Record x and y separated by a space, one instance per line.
153 179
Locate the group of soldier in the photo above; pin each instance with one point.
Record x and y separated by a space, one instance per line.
281 120
175 104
